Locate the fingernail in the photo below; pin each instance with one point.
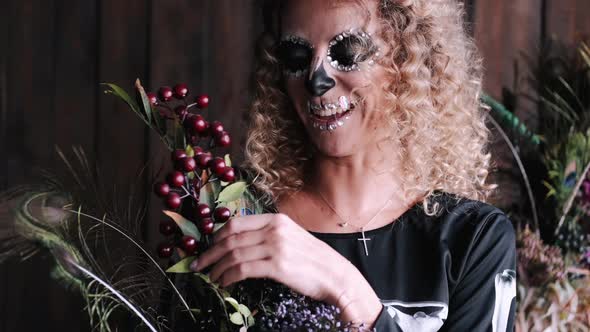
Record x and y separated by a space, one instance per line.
194 264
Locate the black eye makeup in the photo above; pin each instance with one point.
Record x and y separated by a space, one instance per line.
346 51
351 48
295 55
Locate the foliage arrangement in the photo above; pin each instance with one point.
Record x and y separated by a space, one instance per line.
553 245
96 238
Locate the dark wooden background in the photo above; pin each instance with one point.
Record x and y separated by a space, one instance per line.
54 54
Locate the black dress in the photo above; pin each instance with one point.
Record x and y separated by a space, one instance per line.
450 272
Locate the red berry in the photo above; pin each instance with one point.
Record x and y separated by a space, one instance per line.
178 155
180 90
189 244
165 93
198 150
181 111
205 132
167 227
165 250
203 211
187 164
222 214
196 124
223 140
206 226
176 179
216 128
152 98
173 201
162 189
203 160
228 175
202 101
217 165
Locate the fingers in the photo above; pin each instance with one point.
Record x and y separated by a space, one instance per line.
251 269
242 224
239 256
227 245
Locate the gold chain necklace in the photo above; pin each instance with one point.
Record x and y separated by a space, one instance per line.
345 223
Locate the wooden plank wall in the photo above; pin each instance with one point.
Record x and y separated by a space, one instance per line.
55 52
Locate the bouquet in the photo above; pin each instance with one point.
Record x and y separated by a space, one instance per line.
99 249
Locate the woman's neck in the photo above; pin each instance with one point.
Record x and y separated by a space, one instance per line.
359 184
356 186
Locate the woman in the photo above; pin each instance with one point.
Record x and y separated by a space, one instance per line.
368 143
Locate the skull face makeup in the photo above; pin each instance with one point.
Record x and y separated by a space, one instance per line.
350 49
346 52
329 73
295 55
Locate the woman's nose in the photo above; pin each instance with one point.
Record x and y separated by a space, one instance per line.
319 83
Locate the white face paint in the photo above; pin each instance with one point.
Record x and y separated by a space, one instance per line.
417 316
505 283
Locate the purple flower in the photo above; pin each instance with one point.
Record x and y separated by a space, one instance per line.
288 311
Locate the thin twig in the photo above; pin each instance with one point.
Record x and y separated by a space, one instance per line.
570 200
522 172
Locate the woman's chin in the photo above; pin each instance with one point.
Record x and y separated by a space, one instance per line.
332 138
333 144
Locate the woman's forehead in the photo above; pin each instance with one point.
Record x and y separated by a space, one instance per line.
324 19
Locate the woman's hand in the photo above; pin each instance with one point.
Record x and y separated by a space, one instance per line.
274 246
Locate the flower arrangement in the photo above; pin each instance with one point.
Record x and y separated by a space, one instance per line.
553 246
98 248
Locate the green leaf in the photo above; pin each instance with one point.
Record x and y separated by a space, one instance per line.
232 192
119 92
250 321
209 192
204 277
233 302
189 151
183 266
236 318
244 310
186 226
147 107
217 226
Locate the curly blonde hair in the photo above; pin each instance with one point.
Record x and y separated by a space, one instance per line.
435 79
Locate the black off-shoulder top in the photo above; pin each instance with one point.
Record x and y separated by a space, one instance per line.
454 271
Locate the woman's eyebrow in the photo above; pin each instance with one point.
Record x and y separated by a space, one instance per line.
351 31
289 35
296 39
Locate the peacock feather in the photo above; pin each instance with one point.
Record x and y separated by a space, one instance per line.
95 243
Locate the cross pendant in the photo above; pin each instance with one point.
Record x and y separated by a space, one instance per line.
364 239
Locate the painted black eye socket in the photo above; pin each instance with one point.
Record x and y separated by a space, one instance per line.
347 51
294 56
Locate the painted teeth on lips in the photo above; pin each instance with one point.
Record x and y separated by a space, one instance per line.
329 109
